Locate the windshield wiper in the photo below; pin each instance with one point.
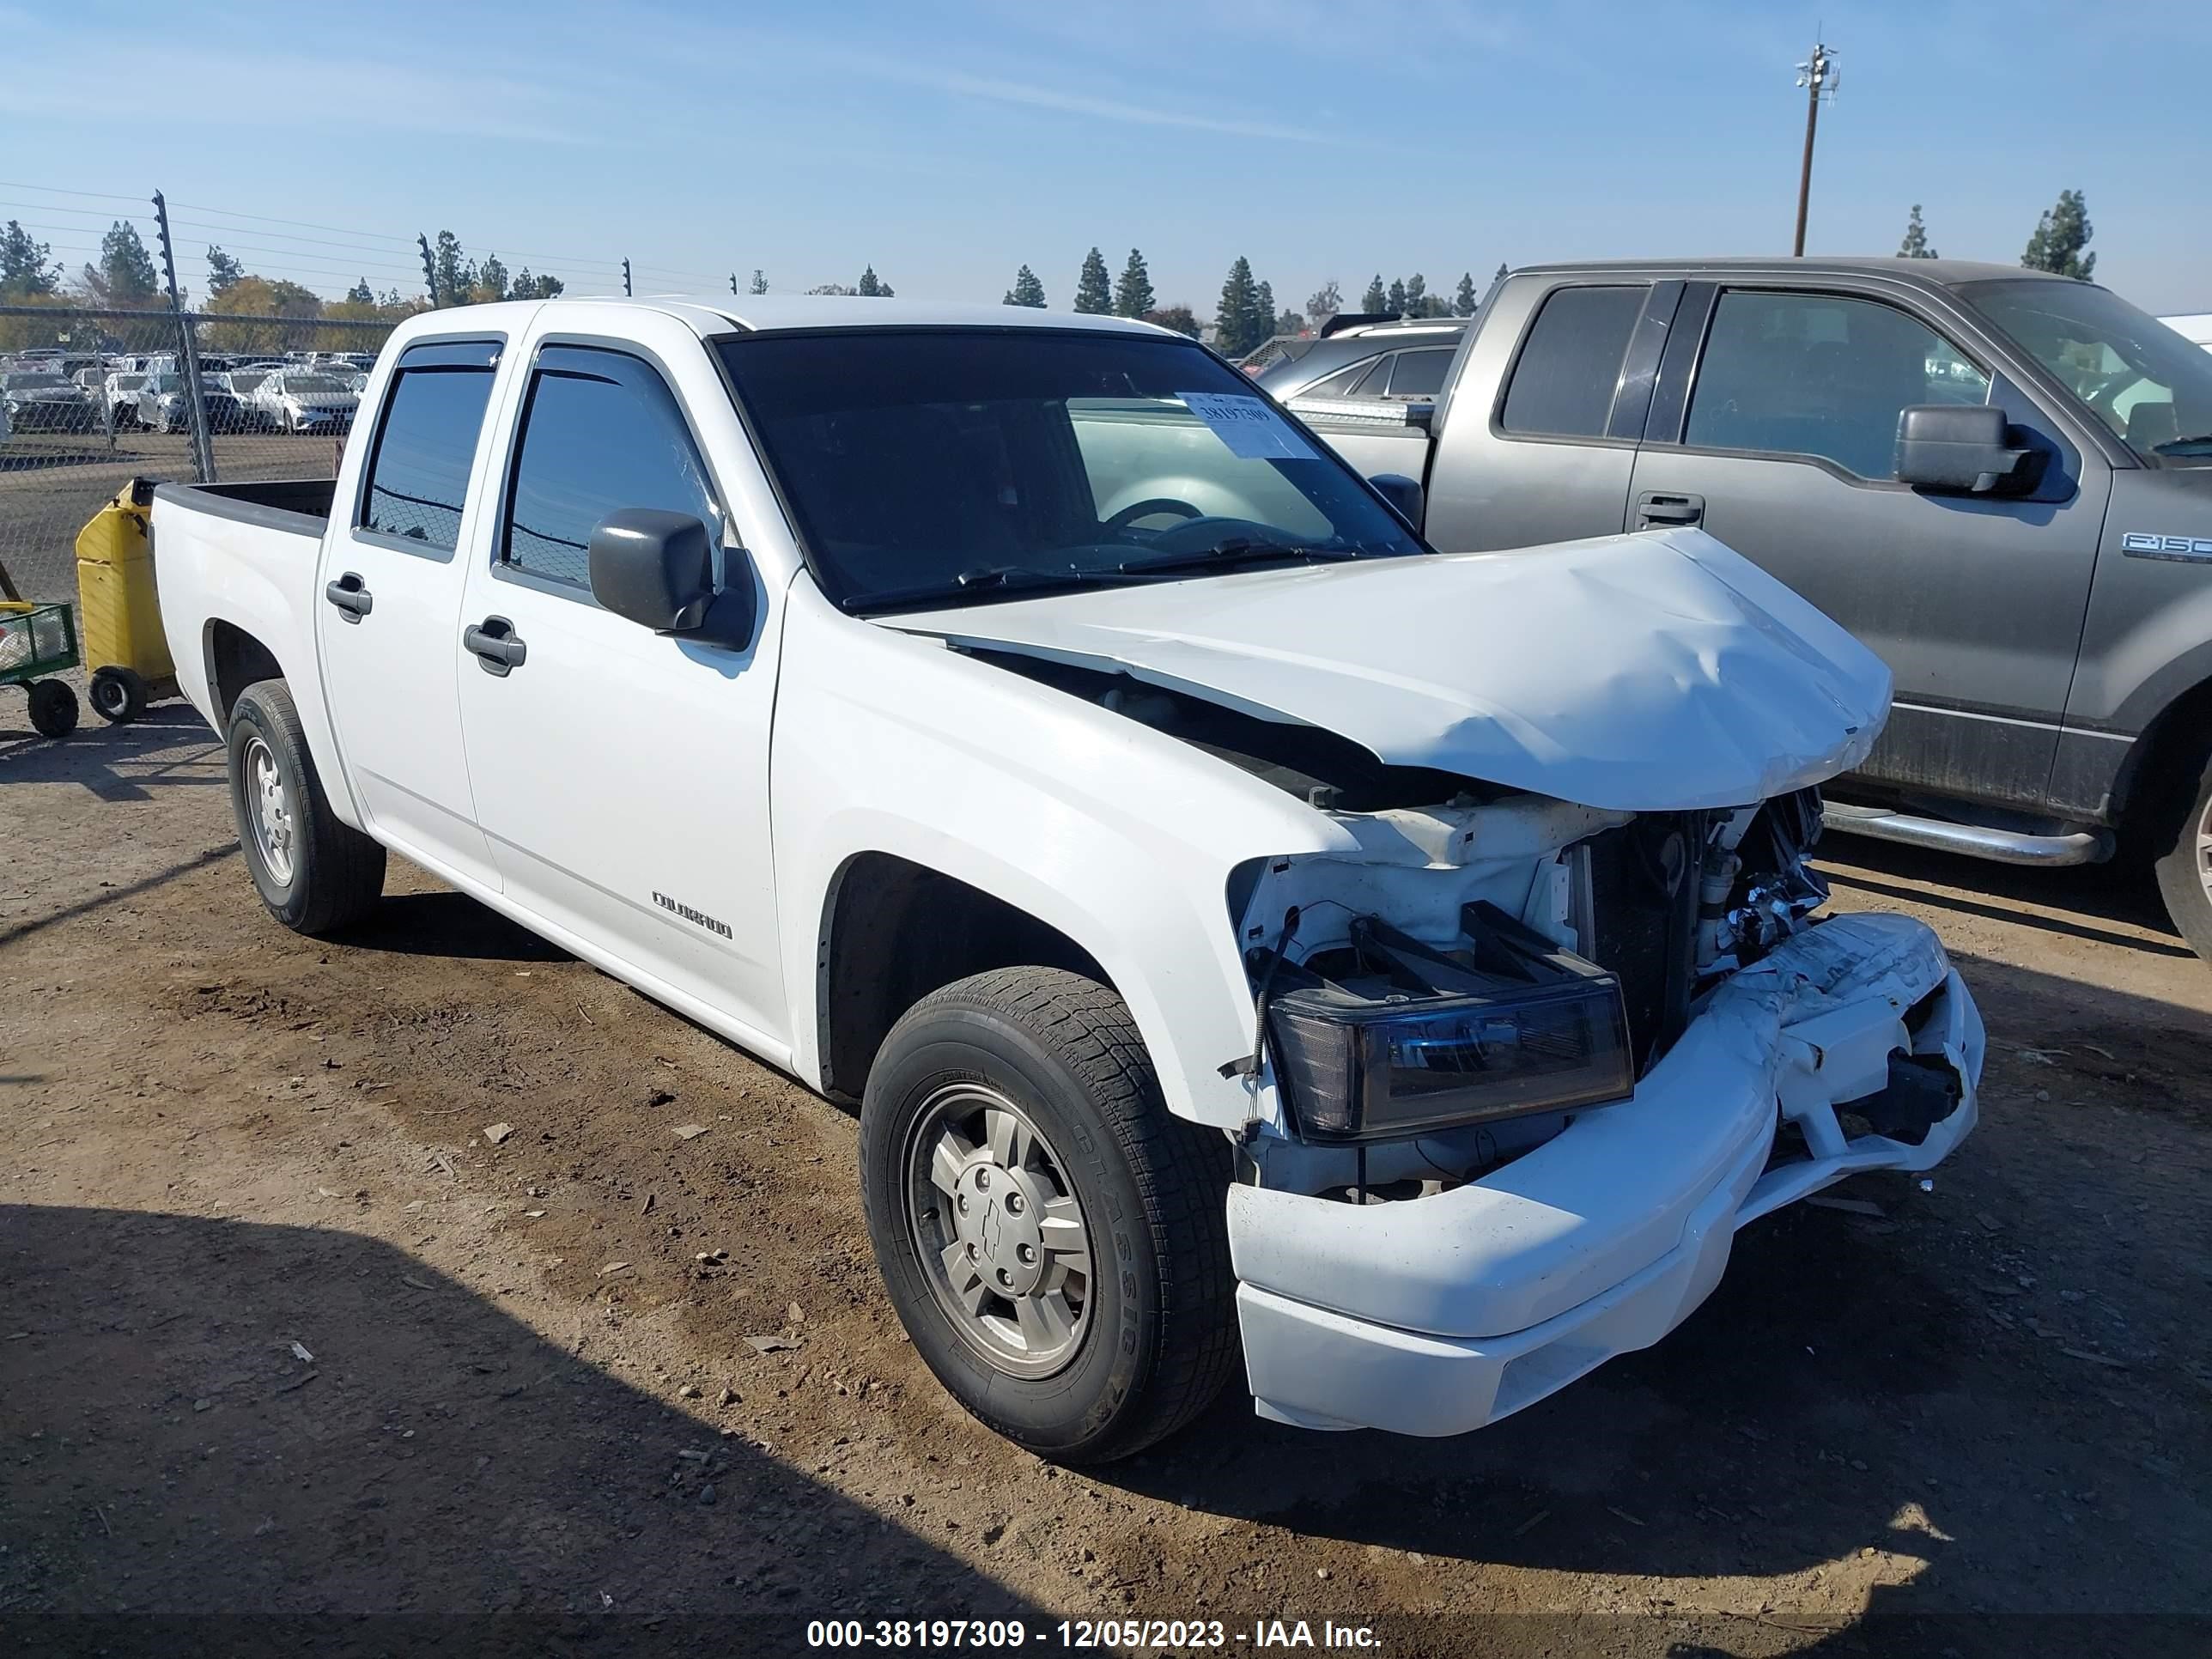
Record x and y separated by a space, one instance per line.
995 579
1238 549
2199 445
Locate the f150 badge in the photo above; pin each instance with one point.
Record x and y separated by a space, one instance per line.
675 907
2187 549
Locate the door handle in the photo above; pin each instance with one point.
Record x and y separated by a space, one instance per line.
352 600
1655 507
495 644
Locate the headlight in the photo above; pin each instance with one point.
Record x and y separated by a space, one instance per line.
1413 1039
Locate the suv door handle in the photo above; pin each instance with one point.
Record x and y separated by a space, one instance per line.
493 642
353 600
1655 507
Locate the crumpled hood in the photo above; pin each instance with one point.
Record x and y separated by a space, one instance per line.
1653 673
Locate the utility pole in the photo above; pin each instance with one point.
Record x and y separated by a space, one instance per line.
625 279
203 451
734 282
429 270
1818 75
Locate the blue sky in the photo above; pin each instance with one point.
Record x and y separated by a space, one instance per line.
947 144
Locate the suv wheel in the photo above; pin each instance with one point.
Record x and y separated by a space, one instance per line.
316 874
1055 1242
2183 859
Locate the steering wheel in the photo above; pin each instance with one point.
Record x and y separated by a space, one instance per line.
1145 509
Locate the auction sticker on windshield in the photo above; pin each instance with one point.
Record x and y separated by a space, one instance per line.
1248 426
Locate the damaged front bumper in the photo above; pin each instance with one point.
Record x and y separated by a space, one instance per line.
1438 1315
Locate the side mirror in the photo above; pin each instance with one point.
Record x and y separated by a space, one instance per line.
1404 494
1962 449
658 570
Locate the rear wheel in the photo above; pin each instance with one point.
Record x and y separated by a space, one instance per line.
316 874
53 708
118 695
1054 1241
2183 856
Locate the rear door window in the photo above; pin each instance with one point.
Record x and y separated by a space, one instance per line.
426 443
1420 373
1570 365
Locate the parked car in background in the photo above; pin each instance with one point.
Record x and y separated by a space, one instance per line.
1229 915
164 402
1405 360
120 397
1999 479
40 400
240 413
299 400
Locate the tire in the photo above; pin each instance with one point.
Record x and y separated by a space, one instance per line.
316 875
2182 854
1108 1362
53 708
118 695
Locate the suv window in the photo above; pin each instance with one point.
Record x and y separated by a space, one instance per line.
418 473
1564 383
1821 374
1339 384
1420 373
601 432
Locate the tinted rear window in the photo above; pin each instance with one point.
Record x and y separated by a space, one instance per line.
1564 383
418 478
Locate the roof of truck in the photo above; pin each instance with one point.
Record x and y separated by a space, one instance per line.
1943 272
771 312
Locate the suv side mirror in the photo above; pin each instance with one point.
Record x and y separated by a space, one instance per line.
657 568
1962 449
1404 494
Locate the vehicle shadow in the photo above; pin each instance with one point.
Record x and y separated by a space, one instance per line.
171 1454
168 746
2119 892
446 923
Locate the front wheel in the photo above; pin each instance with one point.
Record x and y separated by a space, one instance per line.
316 874
2184 858
1055 1242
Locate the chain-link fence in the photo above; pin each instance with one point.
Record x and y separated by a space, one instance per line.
93 398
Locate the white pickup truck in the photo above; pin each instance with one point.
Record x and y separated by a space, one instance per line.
1231 916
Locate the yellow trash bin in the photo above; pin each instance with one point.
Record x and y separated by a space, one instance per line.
120 610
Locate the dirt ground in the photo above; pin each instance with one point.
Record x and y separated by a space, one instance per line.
283 1334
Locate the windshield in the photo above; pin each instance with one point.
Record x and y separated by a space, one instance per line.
25 382
311 383
928 467
2151 386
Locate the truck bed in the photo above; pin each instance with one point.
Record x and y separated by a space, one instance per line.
296 504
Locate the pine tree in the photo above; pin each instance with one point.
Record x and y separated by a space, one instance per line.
1502 272
1132 291
1027 290
491 279
1266 311
1324 303
1395 299
1915 244
1463 299
125 275
759 283
453 275
1239 324
361 293
27 265
1377 298
1417 295
2060 236
1094 292
223 270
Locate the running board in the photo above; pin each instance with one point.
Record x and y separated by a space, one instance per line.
1974 840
